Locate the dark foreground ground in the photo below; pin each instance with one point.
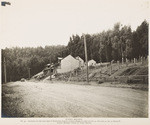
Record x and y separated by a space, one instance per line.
30 99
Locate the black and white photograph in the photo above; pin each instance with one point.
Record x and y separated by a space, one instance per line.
74 60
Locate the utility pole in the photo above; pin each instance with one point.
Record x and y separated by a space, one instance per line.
4 3
122 54
121 50
50 73
5 74
126 55
29 72
86 58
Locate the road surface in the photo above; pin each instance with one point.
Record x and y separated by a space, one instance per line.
30 99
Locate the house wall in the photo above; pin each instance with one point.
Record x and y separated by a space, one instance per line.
81 62
68 64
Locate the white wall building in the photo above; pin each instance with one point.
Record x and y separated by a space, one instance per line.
91 63
81 62
69 63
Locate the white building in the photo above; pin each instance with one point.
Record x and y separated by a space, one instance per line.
67 64
91 63
81 62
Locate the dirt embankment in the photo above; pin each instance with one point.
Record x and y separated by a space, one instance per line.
127 76
121 73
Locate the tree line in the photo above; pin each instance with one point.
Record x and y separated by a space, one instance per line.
114 44
19 60
120 42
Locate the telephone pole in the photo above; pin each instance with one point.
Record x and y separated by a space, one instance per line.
86 58
4 3
5 74
29 72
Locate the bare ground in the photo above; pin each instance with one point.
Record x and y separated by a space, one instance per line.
30 99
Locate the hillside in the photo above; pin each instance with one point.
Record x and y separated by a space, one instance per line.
130 74
104 74
114 44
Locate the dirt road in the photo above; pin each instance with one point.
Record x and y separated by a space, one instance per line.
29 99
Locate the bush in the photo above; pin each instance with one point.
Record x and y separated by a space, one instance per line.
100 81
91 67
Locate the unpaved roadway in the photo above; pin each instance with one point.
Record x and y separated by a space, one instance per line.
30 99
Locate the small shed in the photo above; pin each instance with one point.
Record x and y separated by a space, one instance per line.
91 62
59 59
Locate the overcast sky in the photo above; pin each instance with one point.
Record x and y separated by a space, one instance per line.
51 22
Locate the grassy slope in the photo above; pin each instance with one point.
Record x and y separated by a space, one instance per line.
131 76
98 73
134 75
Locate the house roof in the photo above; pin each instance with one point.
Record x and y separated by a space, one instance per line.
48 64
69 56
60 58
91 60
79 58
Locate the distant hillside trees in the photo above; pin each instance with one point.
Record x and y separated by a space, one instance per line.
19 60
115 44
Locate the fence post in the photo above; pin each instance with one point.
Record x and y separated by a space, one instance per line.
126 62
122 61
118 64
76 72
141 60
70 76
100 72
134 60
110 67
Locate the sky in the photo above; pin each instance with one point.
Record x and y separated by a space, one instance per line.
32 23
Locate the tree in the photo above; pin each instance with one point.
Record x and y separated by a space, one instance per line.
114 44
